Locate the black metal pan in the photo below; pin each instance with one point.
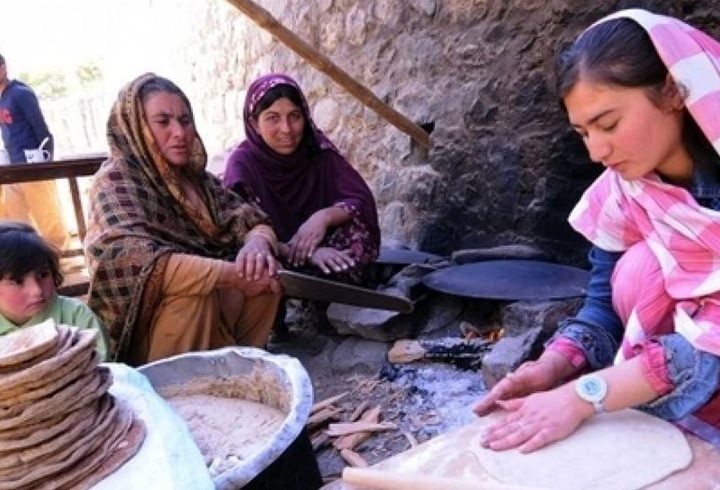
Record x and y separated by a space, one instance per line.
512 280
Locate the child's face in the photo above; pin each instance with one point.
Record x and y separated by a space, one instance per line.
23 299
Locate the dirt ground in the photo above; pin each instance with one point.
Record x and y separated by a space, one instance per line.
422 399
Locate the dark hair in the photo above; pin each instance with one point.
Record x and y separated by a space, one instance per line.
22 250
620 52
275 93
159 84
616 52
2 60
293 95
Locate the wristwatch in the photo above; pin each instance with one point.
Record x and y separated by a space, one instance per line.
592 388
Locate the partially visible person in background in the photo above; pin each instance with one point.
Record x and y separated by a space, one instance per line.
29 277
23 128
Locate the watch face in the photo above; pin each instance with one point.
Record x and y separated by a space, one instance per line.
592 388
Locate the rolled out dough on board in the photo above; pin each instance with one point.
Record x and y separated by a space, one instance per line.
620 450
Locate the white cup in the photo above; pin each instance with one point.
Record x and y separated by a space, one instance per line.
4 157
37 155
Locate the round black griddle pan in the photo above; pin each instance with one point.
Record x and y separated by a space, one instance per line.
512 280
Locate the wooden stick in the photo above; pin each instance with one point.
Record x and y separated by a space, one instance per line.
352 440
411 438
385 480
344 429
77 207
265 20
359 410
328 401
353 458
319 440
323 416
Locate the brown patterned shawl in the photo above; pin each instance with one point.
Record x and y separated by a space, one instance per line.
139 216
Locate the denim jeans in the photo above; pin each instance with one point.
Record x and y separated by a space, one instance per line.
695 374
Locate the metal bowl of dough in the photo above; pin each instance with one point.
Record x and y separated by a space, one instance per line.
278 381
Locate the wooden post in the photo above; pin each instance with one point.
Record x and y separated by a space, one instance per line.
77 206
264 19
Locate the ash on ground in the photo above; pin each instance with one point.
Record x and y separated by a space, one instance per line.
422 399
345 349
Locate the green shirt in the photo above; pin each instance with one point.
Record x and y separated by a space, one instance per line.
66 311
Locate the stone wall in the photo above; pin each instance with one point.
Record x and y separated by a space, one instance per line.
504 167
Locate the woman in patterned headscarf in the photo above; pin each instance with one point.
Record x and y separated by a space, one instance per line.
177 262
320 206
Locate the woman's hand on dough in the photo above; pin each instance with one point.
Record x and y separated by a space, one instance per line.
537 420
255 260
530 377
331 260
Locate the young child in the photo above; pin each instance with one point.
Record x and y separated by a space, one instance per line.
29 277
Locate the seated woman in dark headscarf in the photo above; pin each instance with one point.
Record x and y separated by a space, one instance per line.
322 210
178 263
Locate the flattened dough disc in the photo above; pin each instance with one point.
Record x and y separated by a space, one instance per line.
28 342
620 450
628 449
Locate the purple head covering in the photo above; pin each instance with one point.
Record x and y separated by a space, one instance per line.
290 188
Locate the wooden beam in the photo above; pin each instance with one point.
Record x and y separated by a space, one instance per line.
264 19
58 169
70 169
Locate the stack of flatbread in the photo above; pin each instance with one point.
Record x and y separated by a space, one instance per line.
59 427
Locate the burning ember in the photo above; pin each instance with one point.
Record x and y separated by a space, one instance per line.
494 335
470 332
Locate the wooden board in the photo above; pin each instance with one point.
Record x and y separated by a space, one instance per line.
703 472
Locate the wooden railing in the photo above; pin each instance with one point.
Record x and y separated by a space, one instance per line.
75 284
69 169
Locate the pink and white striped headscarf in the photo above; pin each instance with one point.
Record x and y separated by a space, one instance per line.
615 214
693 59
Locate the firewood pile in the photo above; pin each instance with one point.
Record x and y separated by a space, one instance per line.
59 427
344 430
